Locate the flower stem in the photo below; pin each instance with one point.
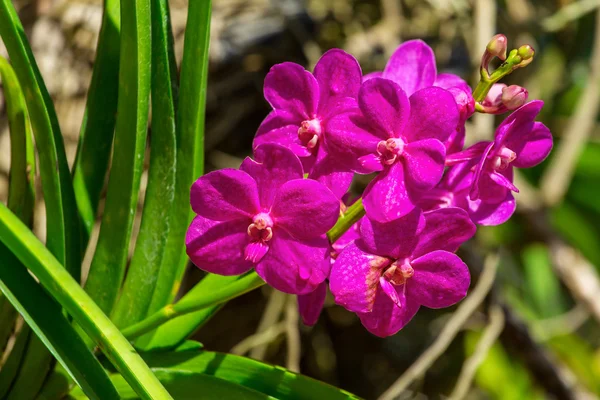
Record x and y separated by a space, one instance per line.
244 285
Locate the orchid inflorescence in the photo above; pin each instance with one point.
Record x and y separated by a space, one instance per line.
407 124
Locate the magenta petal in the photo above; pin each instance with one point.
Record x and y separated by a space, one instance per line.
305 208
218 247
387 318
390 292
281 127
447 81
492 214
395 239
310 305
445 229
225 195
441 279
502 180
273 165
479 172
289 87
489 189
371 162
456 141
533 148
514 126
473 152
295 267
255 251
424 163
331 173
386 197
349 138
385 105
412 66
371 75
433 115
338 74
354 278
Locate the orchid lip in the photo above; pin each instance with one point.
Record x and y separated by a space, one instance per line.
502 159
389 150
261 228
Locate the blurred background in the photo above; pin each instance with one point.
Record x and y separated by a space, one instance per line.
535 331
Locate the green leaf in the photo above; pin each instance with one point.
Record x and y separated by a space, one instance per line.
176 331
186 386
62 219
35 366
577 229
143 273
97 129
45 317
264 378
21 190
11 367
108 264
62 287
190 148
578 355
542 284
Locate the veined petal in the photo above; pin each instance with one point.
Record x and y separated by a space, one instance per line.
441 279
281 127
354 279
289 87
447 81
349 138
218 247
479 172
387 318
339 75
310 305
397 297
395 239
502 180
473 152
385 106
305 208
456 141
331 173
273 165
412 66
492 214
520 121
295 267
533 148
424 163
433 115
386 197
489 190
225 195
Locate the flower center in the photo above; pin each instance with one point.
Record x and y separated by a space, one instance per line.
389 150
309 133
502 159
399 272
261 228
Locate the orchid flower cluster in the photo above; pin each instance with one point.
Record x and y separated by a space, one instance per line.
407 125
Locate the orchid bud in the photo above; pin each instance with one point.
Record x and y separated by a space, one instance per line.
526 52
494 96
497 46
465 103
514 96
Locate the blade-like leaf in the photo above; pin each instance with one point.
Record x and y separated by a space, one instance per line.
45 317
174 332
35 366
62 219
190 148
62 287
97 130
143 272
11 367
108 264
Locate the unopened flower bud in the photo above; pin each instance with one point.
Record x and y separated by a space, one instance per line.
465 103
526 52
514 96
494 96
497 46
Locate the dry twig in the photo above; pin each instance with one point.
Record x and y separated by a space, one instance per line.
270 317
447 335
259 339
293 334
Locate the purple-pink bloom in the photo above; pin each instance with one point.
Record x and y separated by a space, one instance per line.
311 304
398 266
413 67
302 104
400 137
265 216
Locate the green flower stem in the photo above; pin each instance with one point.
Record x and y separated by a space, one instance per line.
57 281
244 285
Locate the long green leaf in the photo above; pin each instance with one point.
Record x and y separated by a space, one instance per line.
97 129
62 219
35 366
268 379
45 317
32 253
143 273
186 386
190 148
108 265
21 190
174 332
11 367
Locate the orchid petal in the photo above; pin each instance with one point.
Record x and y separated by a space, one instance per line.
385 105
288 86
412 66
311 304
445 229
281 127
433 115
387 318
386 197
532 149
424 163
492 214
339 75
330 173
